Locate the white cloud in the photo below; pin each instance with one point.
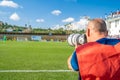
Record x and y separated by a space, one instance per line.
56 12
8 3
83 21
70 19
79 25
55 27
40 20
76 25
15 17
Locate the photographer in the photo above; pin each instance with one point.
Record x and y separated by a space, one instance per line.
99 58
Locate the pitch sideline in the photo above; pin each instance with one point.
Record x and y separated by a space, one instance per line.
42 71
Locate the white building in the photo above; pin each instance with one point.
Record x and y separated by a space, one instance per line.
79 25
113 23
76 25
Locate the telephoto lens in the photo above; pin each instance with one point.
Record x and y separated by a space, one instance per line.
76 39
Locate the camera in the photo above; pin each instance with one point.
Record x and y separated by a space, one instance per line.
76 39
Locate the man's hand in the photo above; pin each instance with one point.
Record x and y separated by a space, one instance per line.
68 62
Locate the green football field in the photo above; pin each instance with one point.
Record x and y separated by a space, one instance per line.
36 56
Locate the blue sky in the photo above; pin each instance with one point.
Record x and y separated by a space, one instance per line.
49 13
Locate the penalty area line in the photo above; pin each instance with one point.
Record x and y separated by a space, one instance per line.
42 71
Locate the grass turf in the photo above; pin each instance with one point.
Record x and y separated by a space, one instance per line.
35 56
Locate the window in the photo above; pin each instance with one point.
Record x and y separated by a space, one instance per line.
116 23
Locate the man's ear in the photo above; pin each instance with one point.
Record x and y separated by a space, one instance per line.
88 32
106 33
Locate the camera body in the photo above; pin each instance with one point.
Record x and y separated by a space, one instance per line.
76 39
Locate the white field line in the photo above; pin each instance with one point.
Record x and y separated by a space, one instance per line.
43 71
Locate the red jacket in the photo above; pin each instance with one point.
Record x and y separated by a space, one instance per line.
98 61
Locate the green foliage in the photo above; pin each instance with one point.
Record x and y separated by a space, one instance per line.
39 30
82 31
5 26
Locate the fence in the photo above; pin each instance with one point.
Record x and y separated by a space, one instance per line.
33 37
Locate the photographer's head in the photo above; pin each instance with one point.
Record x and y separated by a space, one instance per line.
96 29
